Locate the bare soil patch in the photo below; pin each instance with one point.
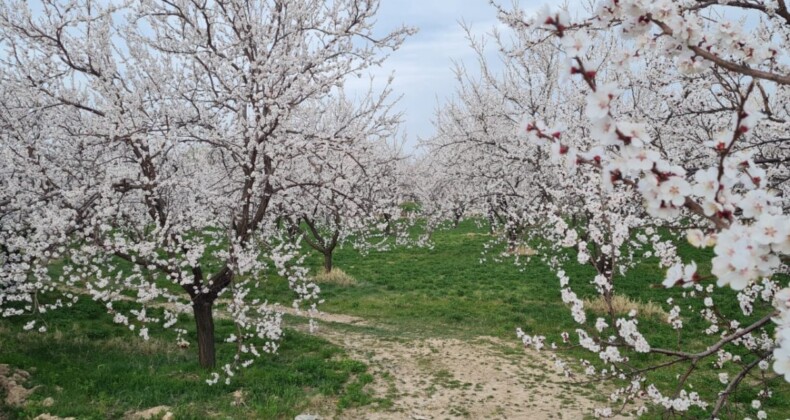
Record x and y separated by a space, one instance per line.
325 316
437 378
440 378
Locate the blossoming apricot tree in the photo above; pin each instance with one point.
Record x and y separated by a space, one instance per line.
149 146
662 121
351 184
685 125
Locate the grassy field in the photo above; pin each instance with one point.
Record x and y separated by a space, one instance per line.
95 369
447 292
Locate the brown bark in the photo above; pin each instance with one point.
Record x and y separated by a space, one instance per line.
204 321
328 260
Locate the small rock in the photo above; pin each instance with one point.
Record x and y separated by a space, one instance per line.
16 395
168 416
22 373
47 416
48 402
238 398
148 414
307 417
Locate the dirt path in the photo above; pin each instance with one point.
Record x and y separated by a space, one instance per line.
433 378
326 317
438 378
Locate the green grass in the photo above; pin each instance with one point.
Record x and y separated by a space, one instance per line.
447 292
404 293
96 370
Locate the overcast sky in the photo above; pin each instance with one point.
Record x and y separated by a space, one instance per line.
423 67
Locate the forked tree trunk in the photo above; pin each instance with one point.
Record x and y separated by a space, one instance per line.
204 321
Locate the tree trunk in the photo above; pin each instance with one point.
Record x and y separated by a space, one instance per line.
388 229
204 320
328 260
457 214
512 239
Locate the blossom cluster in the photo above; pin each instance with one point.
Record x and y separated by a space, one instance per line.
154 151
647 132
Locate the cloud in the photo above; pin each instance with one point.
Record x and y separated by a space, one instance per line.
423 66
